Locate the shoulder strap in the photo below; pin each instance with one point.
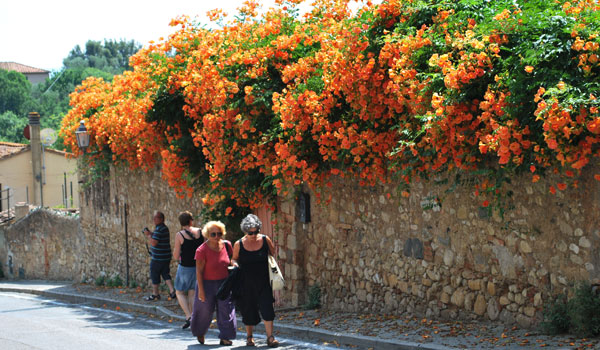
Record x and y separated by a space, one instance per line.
266 244
229 249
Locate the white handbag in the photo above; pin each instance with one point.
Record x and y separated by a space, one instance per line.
275 275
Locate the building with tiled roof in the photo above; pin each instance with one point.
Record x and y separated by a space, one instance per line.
59 176
34 75
8 149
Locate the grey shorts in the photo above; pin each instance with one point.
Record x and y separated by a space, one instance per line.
186 278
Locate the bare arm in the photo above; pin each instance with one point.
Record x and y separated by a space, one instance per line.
199 272
151 240
236 253
177 248
271 246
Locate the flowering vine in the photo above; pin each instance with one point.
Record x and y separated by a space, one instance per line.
403 89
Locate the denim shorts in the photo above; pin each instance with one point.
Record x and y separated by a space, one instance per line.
186 278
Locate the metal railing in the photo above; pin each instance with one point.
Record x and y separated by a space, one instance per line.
6 213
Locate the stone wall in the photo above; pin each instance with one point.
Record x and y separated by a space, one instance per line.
372 251
113 213
42 245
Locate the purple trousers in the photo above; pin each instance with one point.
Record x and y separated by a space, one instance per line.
203 311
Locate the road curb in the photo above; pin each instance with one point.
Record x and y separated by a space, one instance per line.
315 335
109 303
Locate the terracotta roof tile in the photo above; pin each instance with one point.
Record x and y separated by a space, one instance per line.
21 68
8 149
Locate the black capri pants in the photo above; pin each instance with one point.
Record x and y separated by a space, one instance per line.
158 269
255 301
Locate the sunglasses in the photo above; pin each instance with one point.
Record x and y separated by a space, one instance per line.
252 233
215 234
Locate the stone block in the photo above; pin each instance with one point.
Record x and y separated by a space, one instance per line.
291 242
524 247
576 259
529 311
448 257
413 247
523 321
493 310
403 286
445 298
469 300
474 284
458 298
491 288
574 248
462 213
480 305
21 210
584 242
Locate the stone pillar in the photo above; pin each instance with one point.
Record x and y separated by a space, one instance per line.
36 158
21 210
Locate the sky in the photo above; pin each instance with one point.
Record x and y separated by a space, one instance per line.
41 33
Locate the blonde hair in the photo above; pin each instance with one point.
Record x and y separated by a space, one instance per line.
212 224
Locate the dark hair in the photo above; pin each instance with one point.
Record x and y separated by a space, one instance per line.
185 217
160 215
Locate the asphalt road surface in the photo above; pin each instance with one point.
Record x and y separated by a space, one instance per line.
33 322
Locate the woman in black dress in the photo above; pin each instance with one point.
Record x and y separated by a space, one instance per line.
251 253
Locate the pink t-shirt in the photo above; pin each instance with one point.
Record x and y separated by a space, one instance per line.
215 267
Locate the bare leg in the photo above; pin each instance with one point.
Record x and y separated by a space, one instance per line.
170 285
249 337
183 302
269 328
155 289
190 298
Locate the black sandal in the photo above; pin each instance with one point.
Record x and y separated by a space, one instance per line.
152 298
271 342
172 295
187 324
250 341
200 339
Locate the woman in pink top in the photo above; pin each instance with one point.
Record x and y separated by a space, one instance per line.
212 259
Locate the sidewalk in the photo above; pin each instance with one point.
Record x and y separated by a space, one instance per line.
324 327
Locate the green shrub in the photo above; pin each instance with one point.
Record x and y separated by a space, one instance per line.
580 315
584 312
133 284
115 281
100 280
556 316
314 297
1 272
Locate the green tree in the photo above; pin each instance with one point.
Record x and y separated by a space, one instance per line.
52 96
15 92
11 127
99 59
111 56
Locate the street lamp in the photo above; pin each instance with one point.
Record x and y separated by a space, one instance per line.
83 138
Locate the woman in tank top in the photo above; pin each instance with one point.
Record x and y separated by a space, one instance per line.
251 253
186 242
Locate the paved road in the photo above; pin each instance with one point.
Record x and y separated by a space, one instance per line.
32 322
